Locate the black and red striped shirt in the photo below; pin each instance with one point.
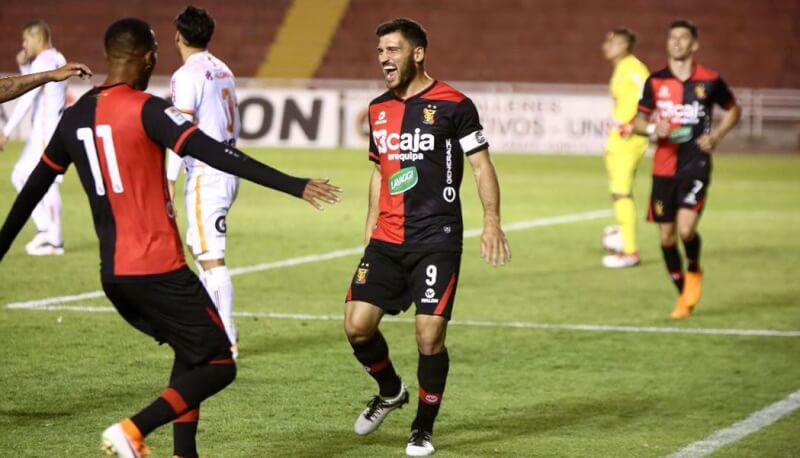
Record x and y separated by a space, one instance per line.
688 105
420 144
116 135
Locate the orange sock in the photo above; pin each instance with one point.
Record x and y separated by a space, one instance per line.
132 431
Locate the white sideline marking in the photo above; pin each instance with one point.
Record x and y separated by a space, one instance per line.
471 233
755 422
484 324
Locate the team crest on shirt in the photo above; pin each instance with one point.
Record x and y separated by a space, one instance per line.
700 91
429 115
361 274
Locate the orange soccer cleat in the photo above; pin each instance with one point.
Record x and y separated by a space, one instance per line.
693 288
124 440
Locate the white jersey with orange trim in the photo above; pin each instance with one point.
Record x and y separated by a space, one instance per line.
47 103
204 89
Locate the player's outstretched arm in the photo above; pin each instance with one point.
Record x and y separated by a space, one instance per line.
494 245
35 188
235 162
14 86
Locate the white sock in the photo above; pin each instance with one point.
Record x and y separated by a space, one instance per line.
220 288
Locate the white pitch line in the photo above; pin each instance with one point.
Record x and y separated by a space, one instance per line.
484 324
755 422
471 233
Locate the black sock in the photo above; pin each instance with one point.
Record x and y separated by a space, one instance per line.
185 393
692 248
432 376
672 258
374 356
184 428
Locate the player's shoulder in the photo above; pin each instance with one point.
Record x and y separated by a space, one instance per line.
636 65
383 98
703 73
441 91
662 73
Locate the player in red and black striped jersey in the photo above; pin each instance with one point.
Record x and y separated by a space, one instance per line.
420 132
116 136
677 105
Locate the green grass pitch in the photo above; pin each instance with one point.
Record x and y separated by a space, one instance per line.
66 375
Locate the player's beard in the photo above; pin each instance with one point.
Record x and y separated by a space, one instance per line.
405 73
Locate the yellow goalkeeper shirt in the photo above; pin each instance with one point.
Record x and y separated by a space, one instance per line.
626 86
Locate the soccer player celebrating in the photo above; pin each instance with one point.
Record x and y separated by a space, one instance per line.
420 131
624 151
203 89
47 103
116 135
677 105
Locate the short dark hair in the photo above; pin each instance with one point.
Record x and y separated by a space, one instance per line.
686 24
410 29
39 26
128 36
196 26
627 34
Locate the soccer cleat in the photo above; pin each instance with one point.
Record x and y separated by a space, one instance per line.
38 239
377 410
115 441
419 443
693 288
45 249
618 261
682 309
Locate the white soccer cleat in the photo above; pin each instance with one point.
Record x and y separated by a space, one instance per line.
419 443
44 249
115 442
618 261
377 409
38 239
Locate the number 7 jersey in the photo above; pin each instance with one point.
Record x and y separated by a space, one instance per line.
116 136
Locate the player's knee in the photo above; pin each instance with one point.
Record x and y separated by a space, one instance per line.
668 239
357 331
430 339
686 234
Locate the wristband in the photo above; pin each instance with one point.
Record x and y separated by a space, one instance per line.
650 129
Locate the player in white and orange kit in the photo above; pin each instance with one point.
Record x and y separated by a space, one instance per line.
204 90
47 103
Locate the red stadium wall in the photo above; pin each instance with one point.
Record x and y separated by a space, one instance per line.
752 43
244 30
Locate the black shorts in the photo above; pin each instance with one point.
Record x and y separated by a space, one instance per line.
672 193
173 308
392 278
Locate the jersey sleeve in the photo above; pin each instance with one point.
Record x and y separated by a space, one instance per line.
648 102
468 128
56 155
165 124
374 155
184 95
723 95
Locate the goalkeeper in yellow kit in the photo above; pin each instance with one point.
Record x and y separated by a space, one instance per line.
624 150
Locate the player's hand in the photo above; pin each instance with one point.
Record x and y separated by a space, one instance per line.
494 245
22 58
3 141
663 128
71 69
319 190
625 130
707 142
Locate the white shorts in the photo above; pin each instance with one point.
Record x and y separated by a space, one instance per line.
208 199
